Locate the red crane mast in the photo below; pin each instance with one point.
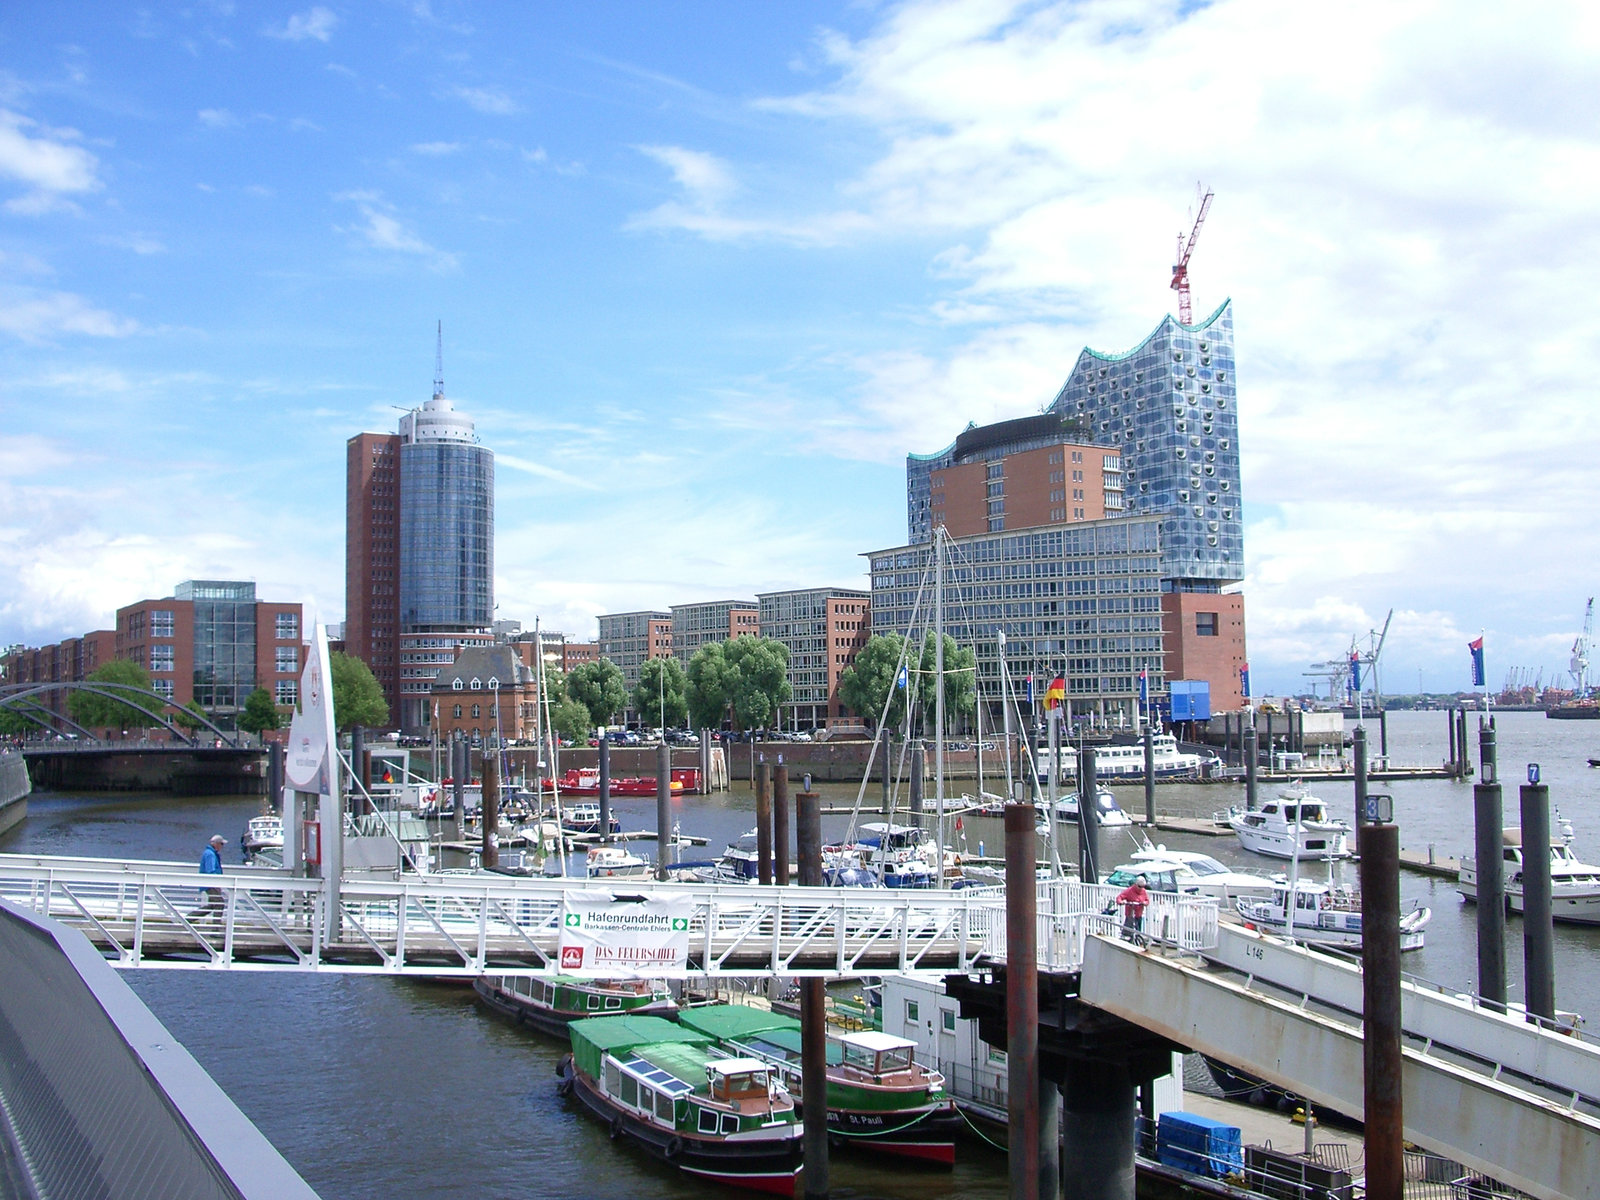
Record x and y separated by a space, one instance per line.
1180 269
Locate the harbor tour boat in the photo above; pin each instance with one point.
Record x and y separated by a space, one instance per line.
1324 915
551 1004
879 1098
1294 825
1106 808
1574 885
669 1090
1126 761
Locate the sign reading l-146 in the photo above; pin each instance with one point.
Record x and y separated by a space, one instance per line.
607 934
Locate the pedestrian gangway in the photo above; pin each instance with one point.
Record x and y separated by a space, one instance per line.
1515 1100
162 914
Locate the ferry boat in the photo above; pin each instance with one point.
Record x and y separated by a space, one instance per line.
879 1097
1295 825
551 1004
585 781
1574 885
1324 915
667 1089
1126 761
1106 808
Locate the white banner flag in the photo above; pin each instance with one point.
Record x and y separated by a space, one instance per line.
306 764
605 933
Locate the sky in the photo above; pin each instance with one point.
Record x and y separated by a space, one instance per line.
708 271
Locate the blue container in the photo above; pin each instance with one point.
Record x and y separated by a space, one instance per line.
1199 1144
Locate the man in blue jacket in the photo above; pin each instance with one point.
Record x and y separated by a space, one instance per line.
211 864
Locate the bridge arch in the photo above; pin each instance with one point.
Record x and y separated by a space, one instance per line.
12 697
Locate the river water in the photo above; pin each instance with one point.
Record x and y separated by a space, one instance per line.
376 1087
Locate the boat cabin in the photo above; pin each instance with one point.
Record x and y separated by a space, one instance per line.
875 1054
1158 876
737 1082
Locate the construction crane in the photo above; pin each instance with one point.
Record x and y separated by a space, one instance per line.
1180 269
1579 665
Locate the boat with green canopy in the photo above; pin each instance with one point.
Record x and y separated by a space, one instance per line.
879 1097
684 1099
551 1004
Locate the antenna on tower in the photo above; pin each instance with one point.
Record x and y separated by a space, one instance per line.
438 364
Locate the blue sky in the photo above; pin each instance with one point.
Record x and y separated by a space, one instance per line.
708 271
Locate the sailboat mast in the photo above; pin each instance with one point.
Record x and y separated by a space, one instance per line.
938 688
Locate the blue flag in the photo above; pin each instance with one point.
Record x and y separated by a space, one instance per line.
1355 672
1244 681
1030 691
1476 646
900 679
1144 689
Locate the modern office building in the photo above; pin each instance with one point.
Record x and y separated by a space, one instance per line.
419 552
627 639
1082 600
824 629
693 625
1160 425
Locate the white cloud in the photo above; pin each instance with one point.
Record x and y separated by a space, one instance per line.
384 231
492 101
436 148
316 23
218 118
35 316
45 161
138 243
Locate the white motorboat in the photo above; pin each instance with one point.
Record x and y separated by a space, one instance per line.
1126 760
608 862
1106 808
1200 873
1324 915
1294 825
1574 885
262 833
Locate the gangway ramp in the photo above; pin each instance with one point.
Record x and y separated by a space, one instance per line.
1504 1097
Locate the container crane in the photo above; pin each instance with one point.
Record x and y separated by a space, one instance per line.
1180 269
1579 664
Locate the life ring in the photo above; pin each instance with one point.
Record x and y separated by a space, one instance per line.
616 1128
674 1149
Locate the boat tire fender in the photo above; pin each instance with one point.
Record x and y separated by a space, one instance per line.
674 1149
616 1128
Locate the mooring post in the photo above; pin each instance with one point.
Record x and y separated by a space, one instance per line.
1359 737
918 765
663 807
1450 762
780 824
1088 817
1487 862
1022 1001
1149 776
1380 990
1251 754
883 768
763 823
1383 736
813 1006
458 786
275 778
1098 1120
605 788
1538 934
1465 765
491 809
1049 1172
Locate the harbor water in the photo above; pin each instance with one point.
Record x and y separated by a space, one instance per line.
378 1087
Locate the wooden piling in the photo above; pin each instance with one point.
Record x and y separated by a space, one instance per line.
1022 1001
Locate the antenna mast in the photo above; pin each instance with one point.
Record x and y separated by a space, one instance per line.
1180 269
438 364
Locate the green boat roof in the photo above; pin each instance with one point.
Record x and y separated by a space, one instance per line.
620 1034
737 1021
685 1061
786 1043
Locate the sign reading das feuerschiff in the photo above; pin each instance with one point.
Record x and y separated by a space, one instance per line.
604 933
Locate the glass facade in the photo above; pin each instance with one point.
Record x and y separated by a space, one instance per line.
224 642
1170 407
446 535
1081 600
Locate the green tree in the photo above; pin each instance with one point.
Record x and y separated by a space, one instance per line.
260 713
570 719
357 698
661 682
191 717
13 723
599 687
128 679
708 686
866 684
960 679
759 668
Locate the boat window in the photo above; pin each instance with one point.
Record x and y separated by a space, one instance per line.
730 1123
594 1001
664 1107
1305 900
898 1059
613 1079
613 1001
630 1091
708 1121
855 1056
1207 866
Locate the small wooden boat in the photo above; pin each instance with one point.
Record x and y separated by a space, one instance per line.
670 1091
551 1004
879 1099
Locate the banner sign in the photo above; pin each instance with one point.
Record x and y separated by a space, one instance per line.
306 764
1475 647
605 933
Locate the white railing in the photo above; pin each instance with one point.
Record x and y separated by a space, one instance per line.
1069 912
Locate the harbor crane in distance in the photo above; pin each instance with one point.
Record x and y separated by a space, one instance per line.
1180 269
1579 664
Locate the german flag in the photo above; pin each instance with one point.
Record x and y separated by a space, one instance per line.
1055 694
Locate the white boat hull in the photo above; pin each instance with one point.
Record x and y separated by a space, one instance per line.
1578 904
1315 842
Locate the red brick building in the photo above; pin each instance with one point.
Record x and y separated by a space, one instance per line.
1203 633
372 558
1048 485
488 690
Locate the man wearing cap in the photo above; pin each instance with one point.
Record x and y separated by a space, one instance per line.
211 864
